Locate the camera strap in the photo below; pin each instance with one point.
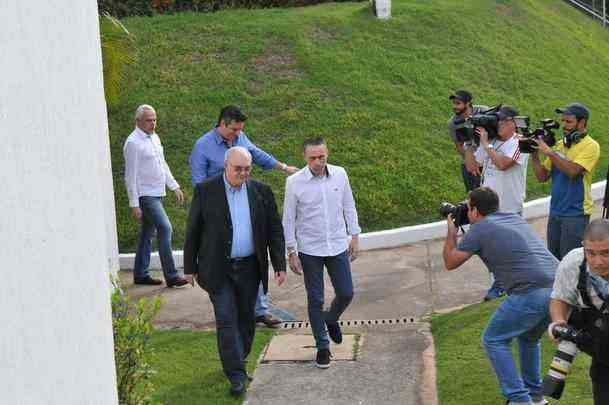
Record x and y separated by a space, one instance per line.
582 287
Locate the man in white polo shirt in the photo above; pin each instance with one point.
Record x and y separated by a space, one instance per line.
318 216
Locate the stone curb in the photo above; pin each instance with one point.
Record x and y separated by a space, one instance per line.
390 238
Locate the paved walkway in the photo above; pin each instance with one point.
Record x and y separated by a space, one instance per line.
404 282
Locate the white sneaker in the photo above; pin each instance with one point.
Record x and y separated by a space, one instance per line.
541 402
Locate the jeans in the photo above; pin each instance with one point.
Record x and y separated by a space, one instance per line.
154 217
339 270
469 180
523 316
565 234
234 305
262 303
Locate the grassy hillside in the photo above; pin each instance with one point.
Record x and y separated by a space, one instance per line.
377 90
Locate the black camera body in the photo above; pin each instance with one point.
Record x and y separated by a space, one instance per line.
458 212
545 132
466 130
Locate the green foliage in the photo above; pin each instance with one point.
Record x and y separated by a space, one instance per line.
132 327
124 8
377 90
464 373
188 368
118 56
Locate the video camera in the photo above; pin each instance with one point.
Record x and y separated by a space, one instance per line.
545 132
466 127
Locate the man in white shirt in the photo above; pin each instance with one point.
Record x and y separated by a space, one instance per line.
318 216
504 170
146 175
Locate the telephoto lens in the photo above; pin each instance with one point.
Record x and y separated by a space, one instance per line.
554 381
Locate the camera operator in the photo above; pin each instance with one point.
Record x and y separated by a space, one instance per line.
570 164
463 108
581 296
504 169
510 248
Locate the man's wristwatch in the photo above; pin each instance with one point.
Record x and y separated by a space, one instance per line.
291 250
284 167
489 147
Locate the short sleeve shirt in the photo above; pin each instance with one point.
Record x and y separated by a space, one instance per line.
572 196
512 251
567 277
510 184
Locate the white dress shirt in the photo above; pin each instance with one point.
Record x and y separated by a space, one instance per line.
146 172
319 212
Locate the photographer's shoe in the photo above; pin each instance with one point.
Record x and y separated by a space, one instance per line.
542 401
334 332
493 293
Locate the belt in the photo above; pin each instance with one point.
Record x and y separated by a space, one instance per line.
241 259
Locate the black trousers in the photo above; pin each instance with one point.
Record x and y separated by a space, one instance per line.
234 308
599 373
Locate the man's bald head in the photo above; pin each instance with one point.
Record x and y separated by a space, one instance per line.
237 165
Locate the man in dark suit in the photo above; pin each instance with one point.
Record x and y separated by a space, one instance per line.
233 227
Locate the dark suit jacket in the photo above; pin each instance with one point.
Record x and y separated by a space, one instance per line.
209 232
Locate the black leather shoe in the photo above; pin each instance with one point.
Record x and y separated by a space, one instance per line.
147 281
323 358
176 283
334 331
237 388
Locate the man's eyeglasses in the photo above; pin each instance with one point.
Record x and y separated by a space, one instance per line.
241 169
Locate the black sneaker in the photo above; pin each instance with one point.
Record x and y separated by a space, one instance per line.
323 358
237 388
177 282
147 281
334 331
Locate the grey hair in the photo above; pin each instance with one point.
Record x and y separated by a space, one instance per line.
237 149
140 111
597 230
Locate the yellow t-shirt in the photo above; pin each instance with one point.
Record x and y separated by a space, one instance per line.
572 196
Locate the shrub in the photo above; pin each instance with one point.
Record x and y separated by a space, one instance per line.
132 327
123 8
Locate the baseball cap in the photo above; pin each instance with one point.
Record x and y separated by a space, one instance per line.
462 95
507 111
577 109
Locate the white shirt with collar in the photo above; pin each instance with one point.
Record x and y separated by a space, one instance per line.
319 212
146 171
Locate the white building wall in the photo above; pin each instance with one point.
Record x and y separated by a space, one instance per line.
56 222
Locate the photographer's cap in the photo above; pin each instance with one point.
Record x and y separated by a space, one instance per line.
462 95
577 109
506 111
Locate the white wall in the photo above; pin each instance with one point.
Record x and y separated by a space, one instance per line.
56 241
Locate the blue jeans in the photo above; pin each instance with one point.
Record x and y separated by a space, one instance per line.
525 317
262 303
469 180
154 217
339 270
233 304
566 234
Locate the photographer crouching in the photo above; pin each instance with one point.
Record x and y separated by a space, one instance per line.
518 258
581 296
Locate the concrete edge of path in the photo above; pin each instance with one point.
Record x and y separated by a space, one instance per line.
390 238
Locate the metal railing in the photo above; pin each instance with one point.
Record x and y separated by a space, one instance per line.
596 8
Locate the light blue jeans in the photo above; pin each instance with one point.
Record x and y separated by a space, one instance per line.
523 316
262 303
154 217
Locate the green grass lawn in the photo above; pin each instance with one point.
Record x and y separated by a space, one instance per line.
465 375
377 90
188 368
